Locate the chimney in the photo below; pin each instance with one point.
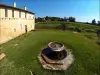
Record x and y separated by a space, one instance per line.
14 4
25 8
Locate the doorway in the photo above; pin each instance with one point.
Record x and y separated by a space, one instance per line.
25 28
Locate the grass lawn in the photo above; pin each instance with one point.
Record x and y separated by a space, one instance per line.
21 53
70 25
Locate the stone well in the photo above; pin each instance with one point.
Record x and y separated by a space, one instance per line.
55 57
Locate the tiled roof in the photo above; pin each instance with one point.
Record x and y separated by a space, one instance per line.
3 5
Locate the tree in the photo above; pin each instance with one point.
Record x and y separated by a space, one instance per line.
98 23
46 19
63 26
65 18
39 19
72 19
94 22
36 20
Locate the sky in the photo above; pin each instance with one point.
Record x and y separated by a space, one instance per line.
82 10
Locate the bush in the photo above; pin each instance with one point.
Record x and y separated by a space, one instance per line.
63 26
77 29
71 29
89 30
98 33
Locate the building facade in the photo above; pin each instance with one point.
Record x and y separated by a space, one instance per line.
14 22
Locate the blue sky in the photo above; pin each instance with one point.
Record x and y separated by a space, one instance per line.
83 10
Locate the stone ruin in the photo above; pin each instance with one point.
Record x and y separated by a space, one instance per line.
55 57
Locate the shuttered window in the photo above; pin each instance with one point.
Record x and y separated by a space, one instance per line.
25 14
19 14
6 12
12 13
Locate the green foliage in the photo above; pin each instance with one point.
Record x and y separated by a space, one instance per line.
77 29
71 19
98 23
94 22
48 18
63 26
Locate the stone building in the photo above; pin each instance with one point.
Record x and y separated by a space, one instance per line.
14 22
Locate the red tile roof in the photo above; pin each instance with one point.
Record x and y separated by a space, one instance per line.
3 5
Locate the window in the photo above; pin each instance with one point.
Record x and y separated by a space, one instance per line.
19 14
12 13
25 14
6 13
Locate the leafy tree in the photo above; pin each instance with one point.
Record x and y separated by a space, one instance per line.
98 23
65 19
94 22
72 19
63 26
46 18
39 19
36 20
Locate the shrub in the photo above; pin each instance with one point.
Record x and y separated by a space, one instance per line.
63 26
89 30
77 29
71 29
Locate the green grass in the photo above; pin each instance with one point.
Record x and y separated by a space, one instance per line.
85 51
70 25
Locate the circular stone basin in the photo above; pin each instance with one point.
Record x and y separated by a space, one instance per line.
56 46
55 51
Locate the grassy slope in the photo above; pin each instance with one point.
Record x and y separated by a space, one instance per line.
85 51
70 24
